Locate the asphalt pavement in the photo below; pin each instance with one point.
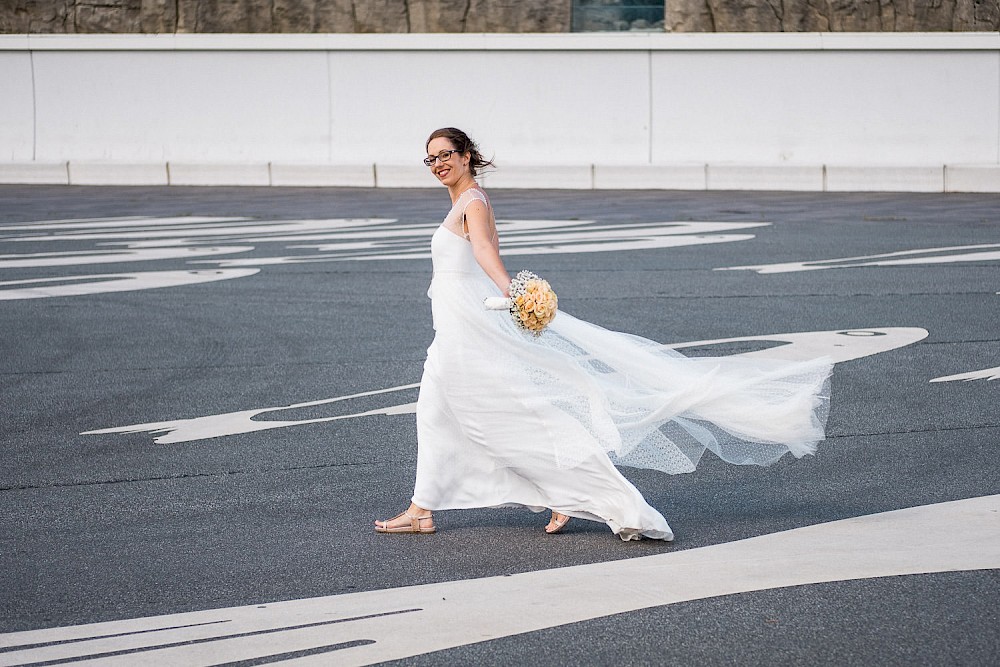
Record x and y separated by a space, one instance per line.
204 405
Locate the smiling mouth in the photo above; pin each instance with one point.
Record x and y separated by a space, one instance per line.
443 172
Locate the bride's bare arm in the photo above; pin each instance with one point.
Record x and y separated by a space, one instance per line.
482 235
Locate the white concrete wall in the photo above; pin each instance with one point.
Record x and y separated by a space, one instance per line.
16 107
163 106
807 111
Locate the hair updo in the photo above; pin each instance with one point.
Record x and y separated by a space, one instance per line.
462 143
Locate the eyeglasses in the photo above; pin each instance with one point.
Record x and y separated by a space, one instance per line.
444 156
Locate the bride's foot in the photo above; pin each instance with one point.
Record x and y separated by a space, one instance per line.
413 520
556 523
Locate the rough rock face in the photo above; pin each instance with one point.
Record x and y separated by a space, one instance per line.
831 15
167 16
157 16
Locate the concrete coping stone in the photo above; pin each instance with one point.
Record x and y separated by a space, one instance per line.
597 41
984 178
35 173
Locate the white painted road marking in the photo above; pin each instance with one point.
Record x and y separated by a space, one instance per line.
986 252
372 626
985 374
234 423
126 240
838 346
41 288
81 257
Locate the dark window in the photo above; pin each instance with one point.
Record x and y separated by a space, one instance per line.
616 15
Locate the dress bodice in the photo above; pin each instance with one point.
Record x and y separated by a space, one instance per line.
451 254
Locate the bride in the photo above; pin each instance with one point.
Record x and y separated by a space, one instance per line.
508 418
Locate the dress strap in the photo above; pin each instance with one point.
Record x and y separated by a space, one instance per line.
471 195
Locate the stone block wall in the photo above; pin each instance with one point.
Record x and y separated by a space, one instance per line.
832 15
282 16
366 16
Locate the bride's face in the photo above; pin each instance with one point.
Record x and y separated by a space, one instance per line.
447 164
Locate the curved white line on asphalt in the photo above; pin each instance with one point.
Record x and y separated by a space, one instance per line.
520 237
517 234
838 346
39 288
945 255
129 222
373 250
194 232
985 374
81 257
962 535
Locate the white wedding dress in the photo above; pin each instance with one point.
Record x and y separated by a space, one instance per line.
508 418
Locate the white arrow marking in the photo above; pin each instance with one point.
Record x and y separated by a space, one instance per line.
839 346
234 423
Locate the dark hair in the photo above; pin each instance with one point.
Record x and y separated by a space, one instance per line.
461 141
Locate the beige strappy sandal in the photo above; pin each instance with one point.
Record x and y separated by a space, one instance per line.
559 524
414 526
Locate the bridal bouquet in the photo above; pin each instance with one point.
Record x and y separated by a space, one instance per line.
532 303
